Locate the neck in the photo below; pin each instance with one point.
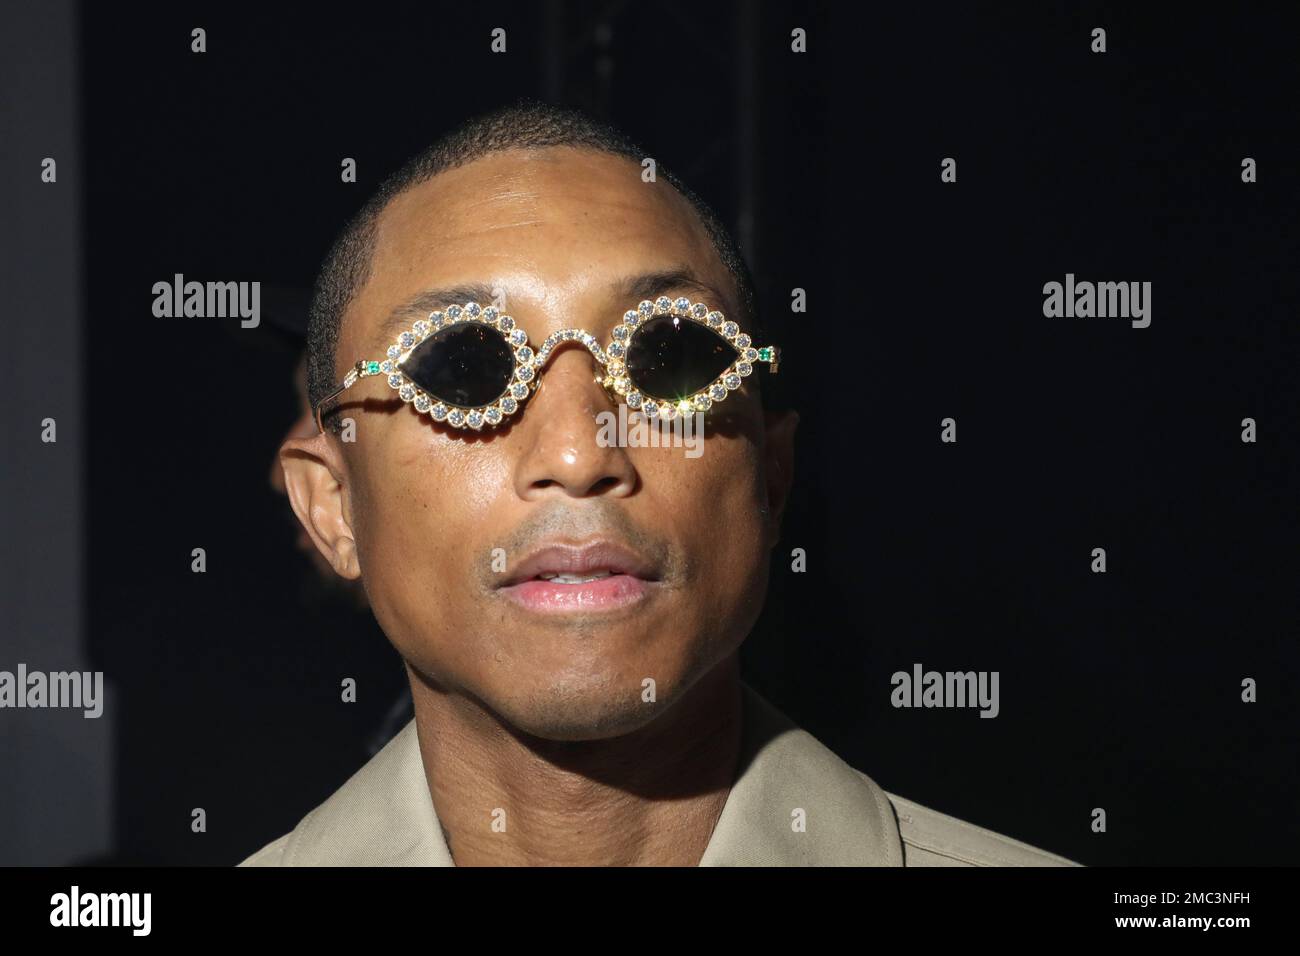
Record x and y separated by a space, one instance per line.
648 798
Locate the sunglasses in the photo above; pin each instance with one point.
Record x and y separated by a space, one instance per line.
471 367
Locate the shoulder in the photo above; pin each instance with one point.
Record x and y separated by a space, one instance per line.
931 838
382 816
270 855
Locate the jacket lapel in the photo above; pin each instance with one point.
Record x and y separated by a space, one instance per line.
847 819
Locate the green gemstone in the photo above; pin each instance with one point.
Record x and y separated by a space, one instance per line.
372 368
765 355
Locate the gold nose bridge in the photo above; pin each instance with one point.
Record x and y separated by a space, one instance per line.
557 338
582 337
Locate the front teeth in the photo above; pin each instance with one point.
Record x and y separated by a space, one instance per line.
573 578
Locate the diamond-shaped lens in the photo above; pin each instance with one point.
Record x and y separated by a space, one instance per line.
467 364
671 357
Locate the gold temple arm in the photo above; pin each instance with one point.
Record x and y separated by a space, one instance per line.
360 370
770 354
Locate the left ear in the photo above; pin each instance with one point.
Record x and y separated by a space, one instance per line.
778 465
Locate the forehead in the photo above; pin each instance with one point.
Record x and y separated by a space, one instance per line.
550 227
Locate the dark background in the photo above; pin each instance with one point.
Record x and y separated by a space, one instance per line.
1119 691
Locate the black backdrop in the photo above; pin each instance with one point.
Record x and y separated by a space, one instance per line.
1119 691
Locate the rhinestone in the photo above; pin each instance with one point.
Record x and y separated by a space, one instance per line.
650 408
621 385
699 310
373 368
732 381
743 368
394 381
519 390
439 411
406 340
663 304
614 366
524 354
616 350
729 329
421 328
633 399
742 342
682 305
751 355
422 402
646 308
453 313
490 314
435 320
350 379
667 411
703 403
621 332
718 392
631 316
765 354
493 415
715 319
456 417
474 419
524 373
388 366
394 351
505 323
473 310
518 336
406 392
508 405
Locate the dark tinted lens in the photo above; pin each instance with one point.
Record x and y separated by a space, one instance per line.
465 364
670 357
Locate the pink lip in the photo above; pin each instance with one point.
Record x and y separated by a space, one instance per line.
615 591
630 580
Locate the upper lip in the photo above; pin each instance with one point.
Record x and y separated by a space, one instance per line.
589 558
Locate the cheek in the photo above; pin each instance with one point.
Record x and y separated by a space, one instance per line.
711 507
416 517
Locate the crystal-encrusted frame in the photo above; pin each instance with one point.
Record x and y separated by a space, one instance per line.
730 379
521 385
529 363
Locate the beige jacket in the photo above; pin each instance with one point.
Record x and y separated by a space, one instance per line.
384 816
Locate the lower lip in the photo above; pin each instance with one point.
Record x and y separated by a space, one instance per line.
602 594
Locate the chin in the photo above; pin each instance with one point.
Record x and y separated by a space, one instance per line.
573 710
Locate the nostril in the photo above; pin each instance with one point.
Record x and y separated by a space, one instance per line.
608 482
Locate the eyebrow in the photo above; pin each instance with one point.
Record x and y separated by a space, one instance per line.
651 285
631 289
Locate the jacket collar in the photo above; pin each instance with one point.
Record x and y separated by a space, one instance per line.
384 815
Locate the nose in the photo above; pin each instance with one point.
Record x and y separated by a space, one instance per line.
563 452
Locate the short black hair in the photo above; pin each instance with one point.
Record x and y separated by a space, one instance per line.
528 124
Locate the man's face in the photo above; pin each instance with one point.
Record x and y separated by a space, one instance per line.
417 509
